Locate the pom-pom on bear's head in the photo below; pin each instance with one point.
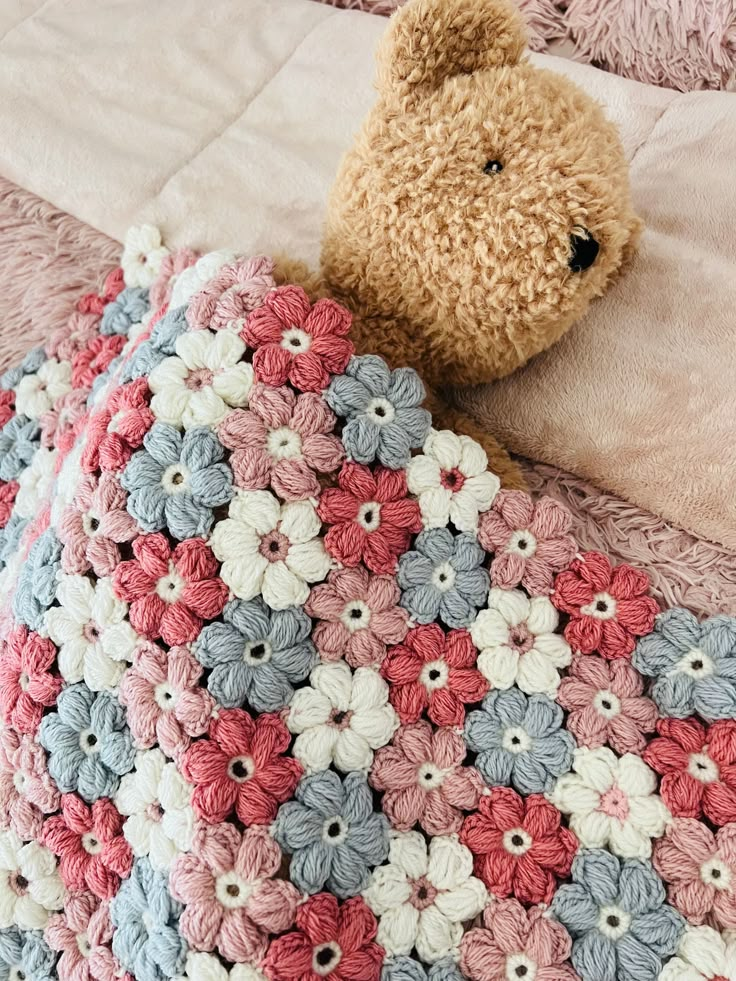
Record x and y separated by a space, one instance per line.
484 203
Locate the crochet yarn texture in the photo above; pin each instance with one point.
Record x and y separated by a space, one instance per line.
291 690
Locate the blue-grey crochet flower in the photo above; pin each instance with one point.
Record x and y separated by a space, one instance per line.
25 956
160 345
128 308
520 741
28 366
616 913
407 969
177 480
19 440
38 579
694 664
332 833
88 742
147 940
10 535
385 421
443 577
257 655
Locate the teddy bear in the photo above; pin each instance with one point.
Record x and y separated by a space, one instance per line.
484 204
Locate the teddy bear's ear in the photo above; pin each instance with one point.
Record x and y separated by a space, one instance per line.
428 41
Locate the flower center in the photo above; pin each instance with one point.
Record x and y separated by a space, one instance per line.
175 479
434 675
452 480
296 341
240 768
716 873
171 586
83 944
284 444
443 577
520 638
607 704
613 922
88 742
325 958
381 411
339 719
90 524
614 803
91 844
165 696
23 681
519 967
334 830
423 893
19 781
517 841
522 543
274 546
429 776
696 664
114 424
154 812
602 607
257 652
369 516
231 891
703 768
516 740
356 616
18 884
198 378
91 632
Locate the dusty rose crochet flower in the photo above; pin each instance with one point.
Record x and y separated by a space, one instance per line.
165 699
608 608
241 765
170 592
27 685
27 792
61 425
298 342
172 265
7 406
371 518
95 358
233 898
434 673
118 428
513 938
283 441
93 854
700 871
606 704
73 336
359 616
82 933
8 493
424 781
94 525
530 542
232 294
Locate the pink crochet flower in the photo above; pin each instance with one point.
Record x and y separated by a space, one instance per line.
513 937
424 781
8 492
236 291
608 608
27 685
700 871
94 526
27 792
118 428
165 699
172 266
371 517
233 898
73 336
241 766
83 935
606 704
93 854
61 425
7 406
95 358
282 440
530 542
298 342
359 616
434 673
170 592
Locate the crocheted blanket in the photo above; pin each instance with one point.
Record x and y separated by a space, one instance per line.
290 689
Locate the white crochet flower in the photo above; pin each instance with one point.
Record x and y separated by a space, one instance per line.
341 718
92 632
143 253
208 967
203 381
612 802
423 899
34 484
191 280
452 481
518 644
156 800
269 548
30 886
37 393
703 954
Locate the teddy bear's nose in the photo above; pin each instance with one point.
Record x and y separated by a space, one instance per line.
584 251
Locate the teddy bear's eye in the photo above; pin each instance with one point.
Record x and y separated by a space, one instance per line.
493 167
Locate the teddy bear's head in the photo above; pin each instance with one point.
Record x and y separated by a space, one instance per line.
485 201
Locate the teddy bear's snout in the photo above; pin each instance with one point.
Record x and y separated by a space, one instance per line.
584 251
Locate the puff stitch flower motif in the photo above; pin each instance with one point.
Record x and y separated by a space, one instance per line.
606 704
27 792
201 966
29 883
38 577
516 943
423 896
37 393
143 253
28 684
424 781
270 548
159 345
434 673
518 642
331 941
232 895
128 308
234 292
297 342
282 440
340 718
117 428
608 607
63 422
82 933
19 440
382 409
95 359
519 845
241 767
25 955
170 592
703 955
35 483
95 525
369 517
